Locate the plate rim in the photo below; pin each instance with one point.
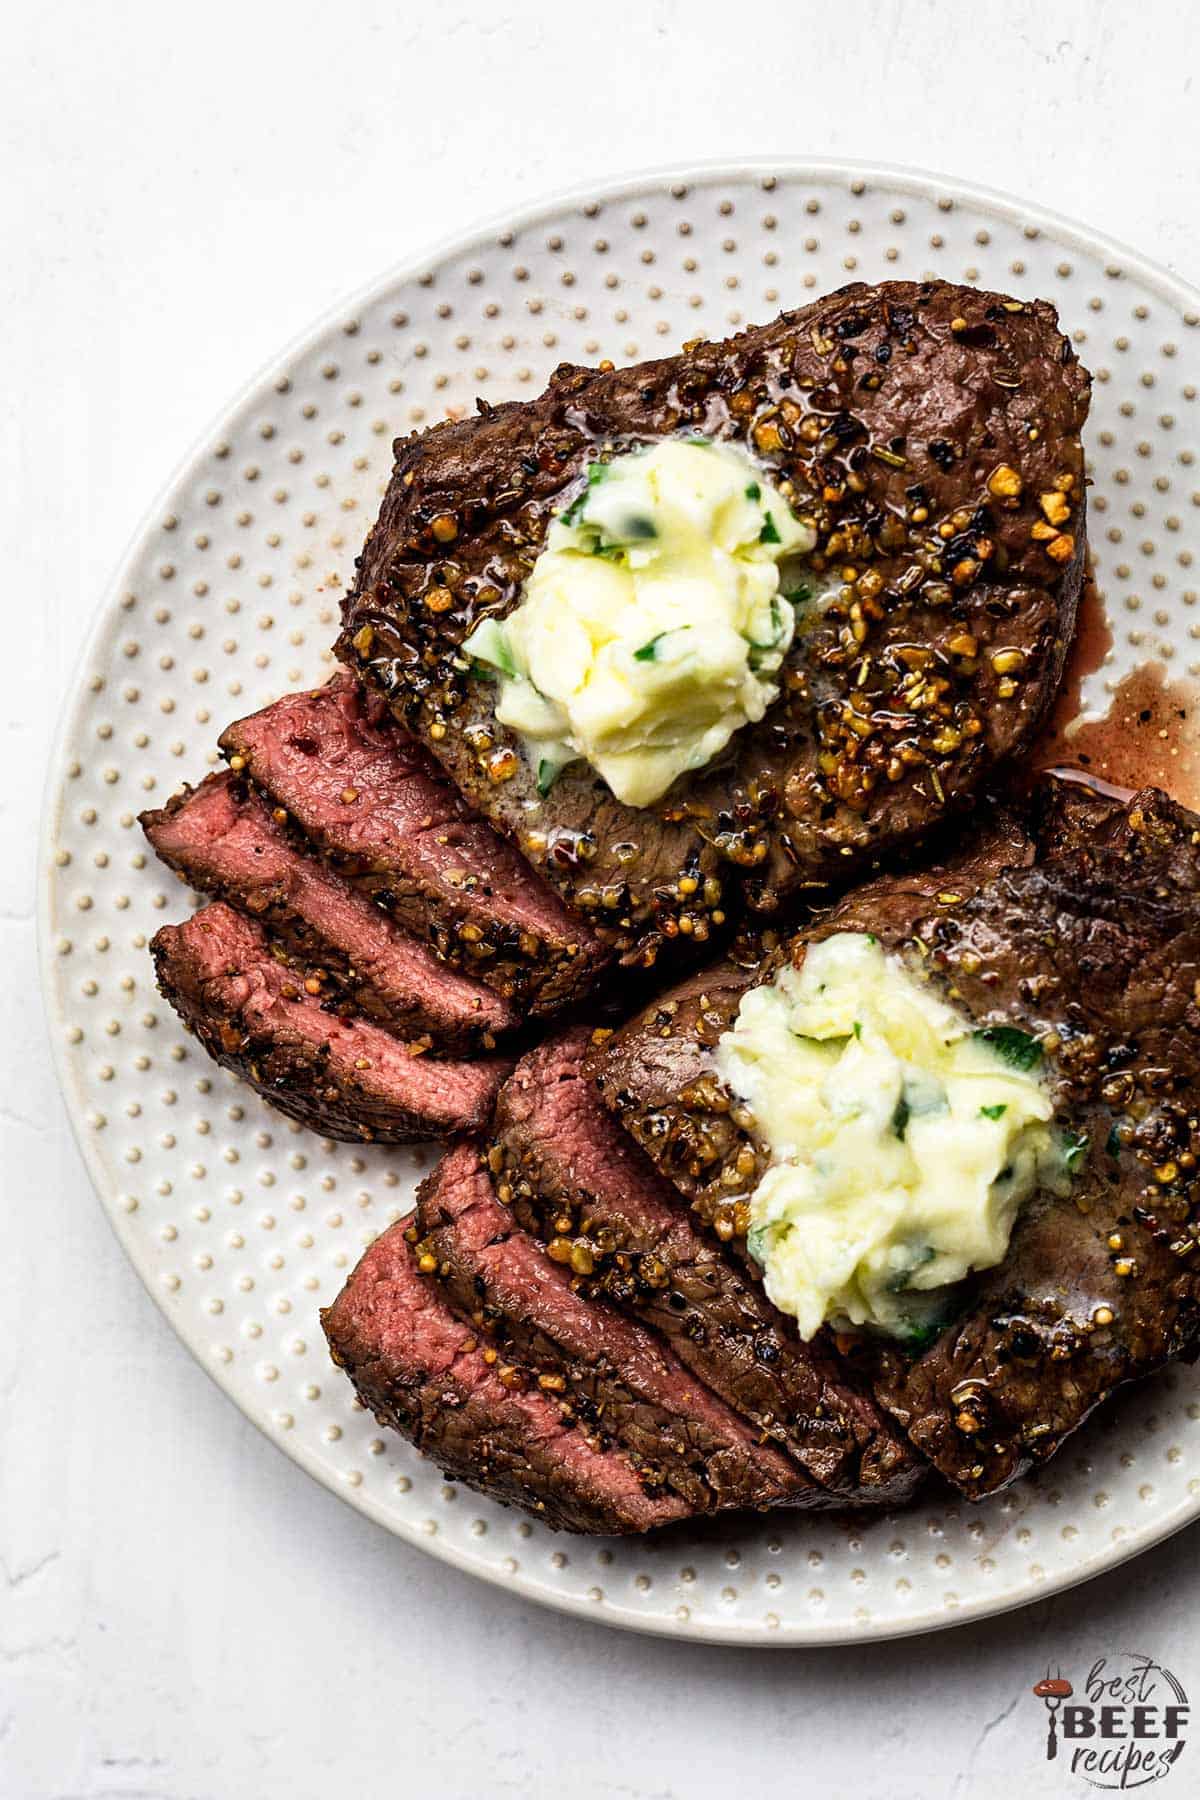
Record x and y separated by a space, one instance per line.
700 172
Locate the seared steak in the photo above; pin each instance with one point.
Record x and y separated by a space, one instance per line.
1083 932
372 800
571 1175
222 839
347 1078
421 1371
619 1381
930 434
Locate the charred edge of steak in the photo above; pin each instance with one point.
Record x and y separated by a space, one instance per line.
620 1382
220 837
1083 930
338 770
573 1178
346 1078
931 435
421 1372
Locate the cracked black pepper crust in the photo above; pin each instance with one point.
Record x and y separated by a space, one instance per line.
929 432
1078 922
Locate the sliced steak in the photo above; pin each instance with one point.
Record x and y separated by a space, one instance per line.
347 1078
620 1382
373 801
222 839
1083 931
930 434
421 1371
572 1176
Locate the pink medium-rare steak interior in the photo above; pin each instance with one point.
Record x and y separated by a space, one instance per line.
223 838
421 1371
374 800
621 1380
348 1077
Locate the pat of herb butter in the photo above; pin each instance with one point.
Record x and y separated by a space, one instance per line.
655 619
902 1141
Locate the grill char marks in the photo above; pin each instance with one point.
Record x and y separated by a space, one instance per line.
621 1383
346 1078
1078 923
421 1372
376 805
572 1176
222 839
931 434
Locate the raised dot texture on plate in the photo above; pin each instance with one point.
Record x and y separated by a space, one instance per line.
239 1222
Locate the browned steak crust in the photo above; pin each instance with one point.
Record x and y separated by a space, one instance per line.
353 786
221 837
422 1372
1090 940
620 1383
346 1078
931 434
571 1176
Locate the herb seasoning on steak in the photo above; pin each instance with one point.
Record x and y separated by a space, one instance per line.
1076 929
928 433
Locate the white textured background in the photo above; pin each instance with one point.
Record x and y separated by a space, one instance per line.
183 1615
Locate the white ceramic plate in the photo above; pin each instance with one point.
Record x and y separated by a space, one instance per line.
240 1224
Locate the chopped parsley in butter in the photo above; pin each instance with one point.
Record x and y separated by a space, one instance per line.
655 619
901 1141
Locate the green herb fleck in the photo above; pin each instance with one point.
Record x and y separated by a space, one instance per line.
993 1112
1075 1145
596 472
801 592
917 1338
1017 1048
639 526
858 1028
753 491
1112 1146
649 651
898 1284
900 1118
548 772
488 644
770 531
757 650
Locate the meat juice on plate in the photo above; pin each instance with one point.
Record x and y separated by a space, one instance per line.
1149 735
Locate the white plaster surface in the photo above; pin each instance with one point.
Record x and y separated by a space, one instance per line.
183 1614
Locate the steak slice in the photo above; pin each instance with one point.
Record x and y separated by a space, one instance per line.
420 1371
222 839
373 801
618 1380
347 1078
1083 931
570 1174
930 434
